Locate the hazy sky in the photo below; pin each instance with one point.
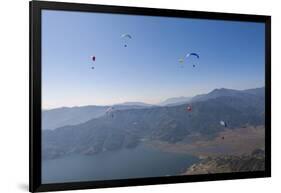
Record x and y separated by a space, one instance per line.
231 56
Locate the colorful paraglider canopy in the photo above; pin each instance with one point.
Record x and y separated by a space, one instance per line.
110 109
181 60
192 54
223 123
109 112
126 36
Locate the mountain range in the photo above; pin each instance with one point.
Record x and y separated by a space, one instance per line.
175 101
58 117
128 125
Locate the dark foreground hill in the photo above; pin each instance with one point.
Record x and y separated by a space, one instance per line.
228 164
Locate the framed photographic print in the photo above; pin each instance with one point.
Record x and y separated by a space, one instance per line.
125 96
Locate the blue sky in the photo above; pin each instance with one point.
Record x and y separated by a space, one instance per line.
231 56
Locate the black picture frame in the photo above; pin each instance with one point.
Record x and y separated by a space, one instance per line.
36 7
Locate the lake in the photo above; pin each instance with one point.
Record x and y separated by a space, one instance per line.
142 161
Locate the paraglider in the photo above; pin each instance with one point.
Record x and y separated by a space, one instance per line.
223 123
109 112
93 59
181 60
189 108
126 38
110 109
192 54
188 59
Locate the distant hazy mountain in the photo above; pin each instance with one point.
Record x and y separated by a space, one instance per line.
139 104
127 127
175 101
60 117
258 92
213 94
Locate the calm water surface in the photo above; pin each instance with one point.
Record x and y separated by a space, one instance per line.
141 161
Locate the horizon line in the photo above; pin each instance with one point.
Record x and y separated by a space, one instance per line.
152 104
